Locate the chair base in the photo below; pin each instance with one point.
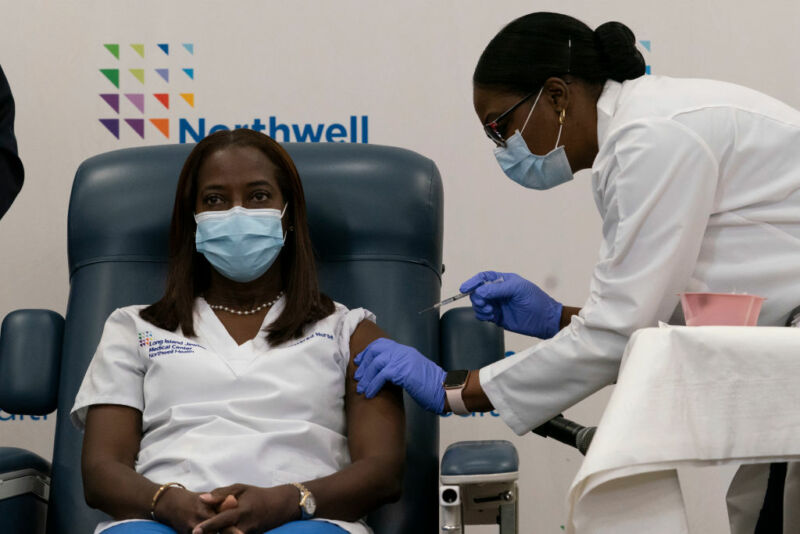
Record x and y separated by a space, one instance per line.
493 503
479 486
23 514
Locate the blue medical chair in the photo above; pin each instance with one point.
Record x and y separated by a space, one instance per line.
375 215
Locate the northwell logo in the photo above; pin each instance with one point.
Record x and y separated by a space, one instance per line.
354 131
145 94
150 86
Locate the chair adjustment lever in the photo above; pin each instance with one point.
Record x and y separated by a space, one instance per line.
505 496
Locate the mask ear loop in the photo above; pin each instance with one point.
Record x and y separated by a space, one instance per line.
561 118
531 111
290 227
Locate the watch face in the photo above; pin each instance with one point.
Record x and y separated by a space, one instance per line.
455 379
310 505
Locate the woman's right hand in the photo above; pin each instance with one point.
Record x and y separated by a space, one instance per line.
515 304
182 510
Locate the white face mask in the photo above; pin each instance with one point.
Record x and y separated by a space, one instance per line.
528 169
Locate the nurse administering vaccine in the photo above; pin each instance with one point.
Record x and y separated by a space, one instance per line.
697 183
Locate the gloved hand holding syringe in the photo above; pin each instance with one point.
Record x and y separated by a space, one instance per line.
460 296
506 299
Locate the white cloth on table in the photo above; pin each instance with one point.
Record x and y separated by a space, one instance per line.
687 396
698 186
215 413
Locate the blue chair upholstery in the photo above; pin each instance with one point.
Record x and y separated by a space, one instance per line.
467 458
375 215
30 339
467 343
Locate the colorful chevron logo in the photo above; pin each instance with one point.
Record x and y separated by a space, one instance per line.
136 87
145 338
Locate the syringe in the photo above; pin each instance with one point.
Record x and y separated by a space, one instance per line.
460 295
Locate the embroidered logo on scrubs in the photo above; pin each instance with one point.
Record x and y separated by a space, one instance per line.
145 338
312 336
165 347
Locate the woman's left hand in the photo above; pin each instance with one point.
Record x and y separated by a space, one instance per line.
257 509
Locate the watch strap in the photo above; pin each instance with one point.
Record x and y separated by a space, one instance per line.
455 399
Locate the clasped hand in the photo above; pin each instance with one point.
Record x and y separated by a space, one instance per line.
235 509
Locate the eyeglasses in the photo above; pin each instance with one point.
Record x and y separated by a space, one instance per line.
491 127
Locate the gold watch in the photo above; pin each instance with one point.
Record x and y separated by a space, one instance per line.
308 505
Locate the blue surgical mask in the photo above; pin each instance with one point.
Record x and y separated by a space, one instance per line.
241 244
530 170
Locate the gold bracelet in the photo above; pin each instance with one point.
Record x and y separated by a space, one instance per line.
159 492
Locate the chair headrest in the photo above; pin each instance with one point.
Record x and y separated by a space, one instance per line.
355 196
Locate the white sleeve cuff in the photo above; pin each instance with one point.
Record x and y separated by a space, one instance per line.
495 394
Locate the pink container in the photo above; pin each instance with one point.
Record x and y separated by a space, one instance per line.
720 309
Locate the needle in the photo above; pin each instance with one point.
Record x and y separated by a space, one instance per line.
460 296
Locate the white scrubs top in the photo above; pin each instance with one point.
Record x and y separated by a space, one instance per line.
698 186
215 413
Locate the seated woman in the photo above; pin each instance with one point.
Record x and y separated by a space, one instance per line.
229 405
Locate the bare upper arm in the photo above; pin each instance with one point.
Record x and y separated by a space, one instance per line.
113 433
375 427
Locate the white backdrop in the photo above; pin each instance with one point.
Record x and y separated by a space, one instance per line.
404 70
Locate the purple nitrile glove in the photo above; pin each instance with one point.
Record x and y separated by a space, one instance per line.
515 304
385 360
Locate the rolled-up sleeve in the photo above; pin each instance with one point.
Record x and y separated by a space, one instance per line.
343 331
658 186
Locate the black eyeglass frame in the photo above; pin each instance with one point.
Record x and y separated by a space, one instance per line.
490 128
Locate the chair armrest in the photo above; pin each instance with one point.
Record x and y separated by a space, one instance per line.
13 459
23 472
466 342
24 491
473 462
30 361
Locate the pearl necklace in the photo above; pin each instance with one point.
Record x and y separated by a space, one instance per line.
246 312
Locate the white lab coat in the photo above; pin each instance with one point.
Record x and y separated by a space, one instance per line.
698 186
215 413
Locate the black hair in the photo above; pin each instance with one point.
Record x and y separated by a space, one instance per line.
532 48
